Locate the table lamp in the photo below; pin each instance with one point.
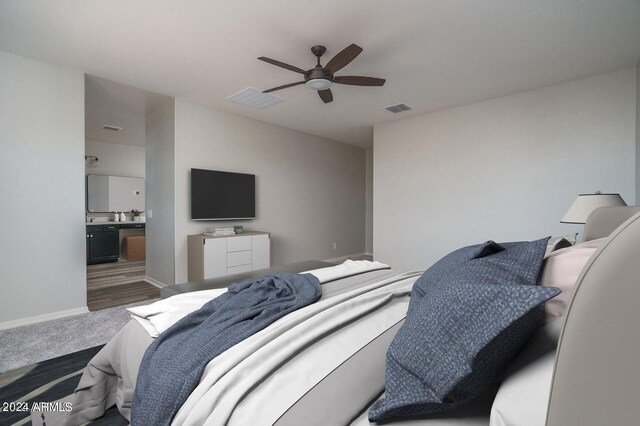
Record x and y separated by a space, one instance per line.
586 203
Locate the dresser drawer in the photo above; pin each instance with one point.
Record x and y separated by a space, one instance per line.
239 244
238 269
238 258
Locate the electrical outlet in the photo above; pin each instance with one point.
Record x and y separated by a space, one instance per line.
335 246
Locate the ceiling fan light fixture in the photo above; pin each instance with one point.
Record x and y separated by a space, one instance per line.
321 78
318 84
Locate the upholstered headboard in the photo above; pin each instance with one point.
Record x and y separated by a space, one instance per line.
597 371
604 220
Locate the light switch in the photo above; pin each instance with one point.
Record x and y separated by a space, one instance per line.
149 214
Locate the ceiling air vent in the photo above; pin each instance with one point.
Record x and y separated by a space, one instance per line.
255 98
112 128
398 108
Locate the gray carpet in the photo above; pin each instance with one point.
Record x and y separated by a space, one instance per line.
38 342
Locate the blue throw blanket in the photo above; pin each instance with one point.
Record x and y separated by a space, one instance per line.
172 365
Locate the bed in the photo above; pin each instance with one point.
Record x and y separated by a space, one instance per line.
267 378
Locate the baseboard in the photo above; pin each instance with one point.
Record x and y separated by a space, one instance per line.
156 283
42 318
343 258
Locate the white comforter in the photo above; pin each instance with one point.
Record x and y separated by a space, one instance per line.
158 316
239 387
261 379
268 378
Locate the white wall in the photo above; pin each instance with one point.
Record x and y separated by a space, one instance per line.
369 202
42 255
310 191
160 190
503 169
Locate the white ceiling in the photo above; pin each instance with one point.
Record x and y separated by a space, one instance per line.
434 54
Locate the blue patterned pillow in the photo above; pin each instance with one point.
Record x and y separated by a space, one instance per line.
469 315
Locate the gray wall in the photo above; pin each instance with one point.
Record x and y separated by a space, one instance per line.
42 255
369 202
638 132
310 191
160 189
503 169
116 159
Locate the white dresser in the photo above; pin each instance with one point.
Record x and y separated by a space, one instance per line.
211 257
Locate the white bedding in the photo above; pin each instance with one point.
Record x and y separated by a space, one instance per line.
473 413
302 347
524 394
157 317
281 364
347 269
277 375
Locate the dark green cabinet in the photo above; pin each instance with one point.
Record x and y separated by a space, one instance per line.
132 226
103 243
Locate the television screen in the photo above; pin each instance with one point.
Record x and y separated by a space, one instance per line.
217 195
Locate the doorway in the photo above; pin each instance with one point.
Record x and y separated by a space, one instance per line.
115 168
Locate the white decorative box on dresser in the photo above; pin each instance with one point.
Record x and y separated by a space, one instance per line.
211 257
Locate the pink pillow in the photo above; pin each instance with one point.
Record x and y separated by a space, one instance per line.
561 269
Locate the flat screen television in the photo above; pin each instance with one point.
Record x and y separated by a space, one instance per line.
217 195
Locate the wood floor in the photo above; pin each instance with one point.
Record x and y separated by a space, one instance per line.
115 284
112 274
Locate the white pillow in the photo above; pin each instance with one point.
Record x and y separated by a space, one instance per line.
561 269
523 396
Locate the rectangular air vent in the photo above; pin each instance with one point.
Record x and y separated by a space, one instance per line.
255 98
112 128
398 108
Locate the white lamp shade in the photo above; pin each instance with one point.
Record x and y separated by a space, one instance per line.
586 203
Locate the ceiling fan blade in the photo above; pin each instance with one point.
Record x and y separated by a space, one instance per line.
283 86
356 80
326 95
343 58
281 65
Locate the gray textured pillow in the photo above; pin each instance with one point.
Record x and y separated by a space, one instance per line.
469 315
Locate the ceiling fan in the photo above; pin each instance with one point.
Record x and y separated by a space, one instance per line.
322 78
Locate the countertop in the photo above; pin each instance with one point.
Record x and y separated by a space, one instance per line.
243 234
127 222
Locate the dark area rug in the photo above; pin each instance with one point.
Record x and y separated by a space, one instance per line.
48 381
